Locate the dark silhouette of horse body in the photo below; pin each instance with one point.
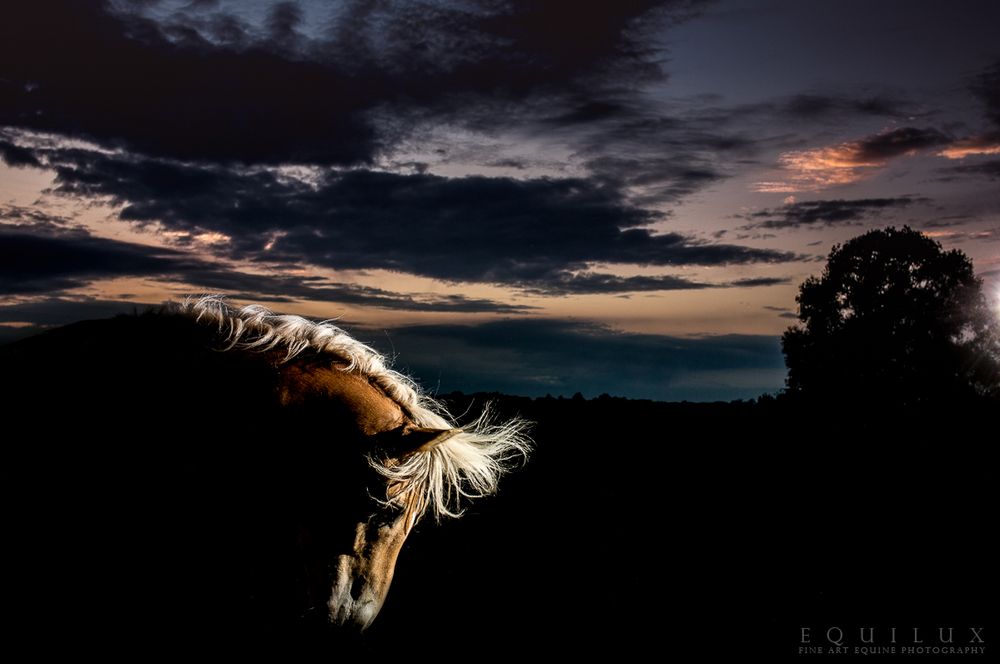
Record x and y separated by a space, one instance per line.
203 469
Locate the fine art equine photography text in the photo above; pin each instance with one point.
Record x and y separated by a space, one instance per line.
371 330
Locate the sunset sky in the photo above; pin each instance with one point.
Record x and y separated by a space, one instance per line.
528 197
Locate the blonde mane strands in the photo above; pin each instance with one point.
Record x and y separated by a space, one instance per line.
468 465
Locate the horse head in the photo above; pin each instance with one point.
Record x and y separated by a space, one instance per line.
395 455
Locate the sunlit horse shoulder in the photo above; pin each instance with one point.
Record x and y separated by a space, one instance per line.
184 428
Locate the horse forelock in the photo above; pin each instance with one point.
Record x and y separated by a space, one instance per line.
438 480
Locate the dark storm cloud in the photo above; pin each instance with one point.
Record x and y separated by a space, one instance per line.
989 169
827 212
73 69
36 258
949 221
282 22
14 155
804 108
538 356
815 106
986 86
529 234
588 111
30 219
594 282
658 157
897 142
197 84
202 86
33 263
657 179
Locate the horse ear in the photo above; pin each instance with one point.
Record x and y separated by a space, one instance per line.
409 439
424 439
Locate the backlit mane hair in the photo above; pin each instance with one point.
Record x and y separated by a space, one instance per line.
467 465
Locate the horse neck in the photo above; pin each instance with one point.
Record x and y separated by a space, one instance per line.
347 397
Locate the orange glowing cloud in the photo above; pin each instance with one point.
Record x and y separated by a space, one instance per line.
205 238
971 146
848 162
819 168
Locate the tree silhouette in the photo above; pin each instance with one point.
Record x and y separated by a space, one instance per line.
894 319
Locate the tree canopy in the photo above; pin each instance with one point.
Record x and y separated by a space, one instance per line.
894 318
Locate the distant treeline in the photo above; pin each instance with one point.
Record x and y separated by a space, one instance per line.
772 415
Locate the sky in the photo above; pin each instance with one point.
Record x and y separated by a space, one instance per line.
528 197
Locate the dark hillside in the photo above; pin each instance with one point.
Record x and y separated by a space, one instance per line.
693 529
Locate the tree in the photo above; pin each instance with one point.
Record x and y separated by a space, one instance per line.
894 319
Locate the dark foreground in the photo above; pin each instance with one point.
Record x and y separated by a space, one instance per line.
687 531
698 530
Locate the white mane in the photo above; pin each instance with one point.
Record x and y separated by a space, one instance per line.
468 465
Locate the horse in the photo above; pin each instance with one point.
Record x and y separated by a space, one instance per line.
268 467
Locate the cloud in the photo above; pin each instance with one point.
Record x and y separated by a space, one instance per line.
199 84
593 282
586 283
121 82
986 86
990 169
849 162
657 156
26 219
32 263
274 288
783 312
653 150
826 212
980 145
194 83
666 152
958 236
539 356
818 106
16 156
753 282
264 288
533 234
38 260
897 142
